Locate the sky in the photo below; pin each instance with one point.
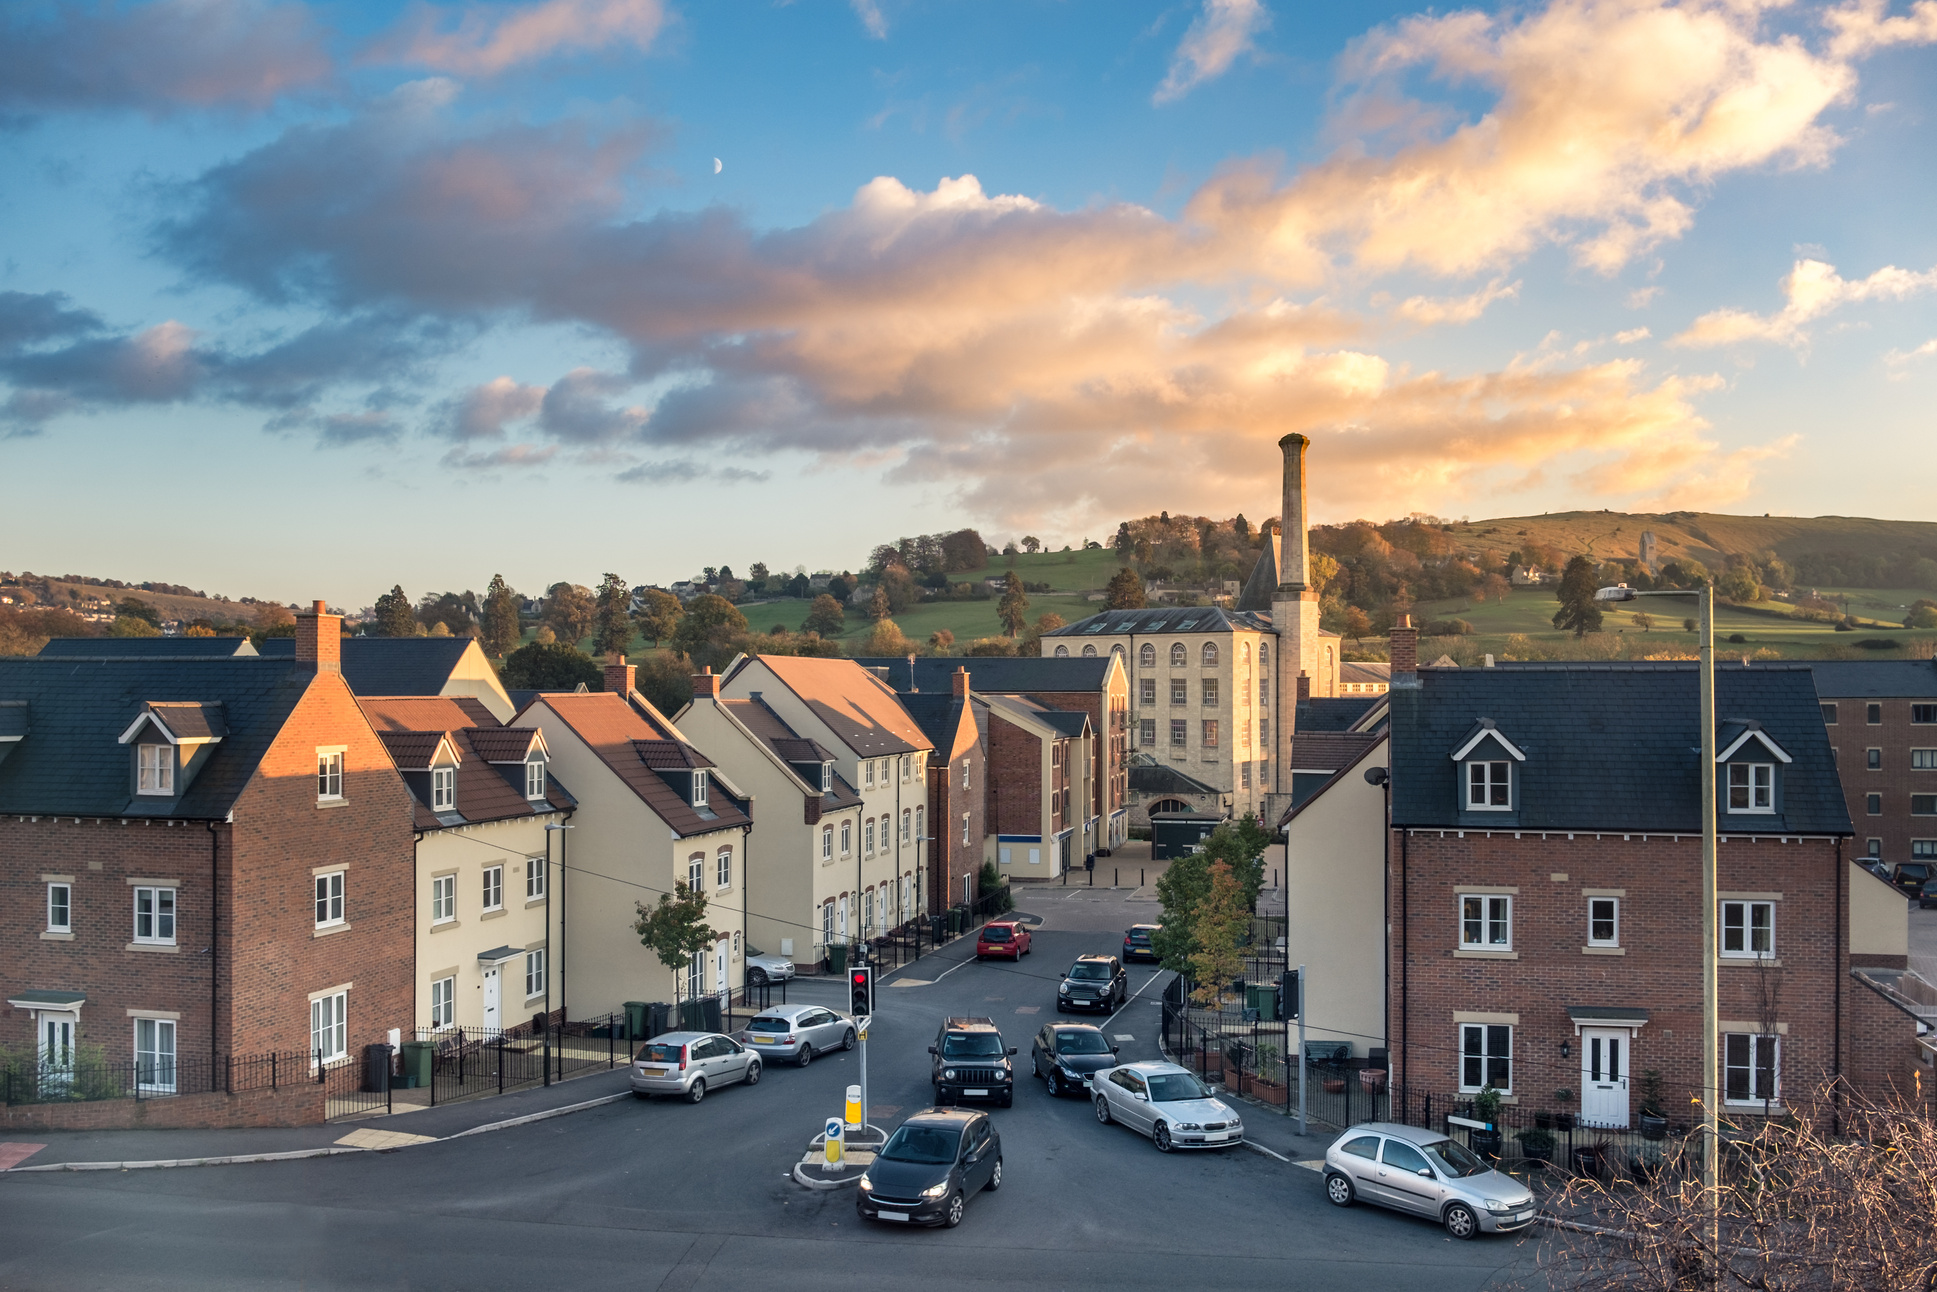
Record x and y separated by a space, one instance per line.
301 300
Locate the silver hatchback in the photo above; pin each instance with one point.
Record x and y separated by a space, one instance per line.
1427 1174
688 1064
797 1033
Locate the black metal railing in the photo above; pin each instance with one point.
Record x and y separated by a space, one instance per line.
89 1078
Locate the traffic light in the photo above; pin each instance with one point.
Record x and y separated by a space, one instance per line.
1288 1000
860 990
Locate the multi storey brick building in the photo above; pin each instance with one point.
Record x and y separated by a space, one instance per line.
1882 720
957 779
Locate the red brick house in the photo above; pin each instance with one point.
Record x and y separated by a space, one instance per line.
957 784
199 857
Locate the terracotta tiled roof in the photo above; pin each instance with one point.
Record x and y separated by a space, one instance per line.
412 750
856 705
614 729
410 728
503 744
425 713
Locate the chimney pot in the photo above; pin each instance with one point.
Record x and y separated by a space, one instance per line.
319 640
619 675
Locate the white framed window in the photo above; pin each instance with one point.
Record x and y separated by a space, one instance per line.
867 838
60 908
699 787
1485 922
493 888
1486 1056
329 1027
827 778
155 1055
1489 786
155 916
1210 654
443 1002
920 828
534 973
1752 787
1751 1068
868 773
965 773
329 899
1923 760
696 872
736 944
827 922
695 975
534 878
965 829
1603 921
443 899
847 837
535 779
827 843
907 826
443 789
1178 657
907 769
723 868
329 774
1749 930
154 769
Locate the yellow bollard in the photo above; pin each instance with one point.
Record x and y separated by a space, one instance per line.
854 1107
833 1141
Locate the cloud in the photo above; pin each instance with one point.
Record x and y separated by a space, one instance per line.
1813 289
483 412
1899 361
1211 44
160 56
1865 26
1461 309
869 12
485 40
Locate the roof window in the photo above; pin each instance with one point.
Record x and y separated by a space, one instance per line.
699 787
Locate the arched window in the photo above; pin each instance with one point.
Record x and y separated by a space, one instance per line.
1117 650
1264 654
1210 654
1062 652
1169 805
1089 651
725 868
1147 655
1245 654
1177 657
696 872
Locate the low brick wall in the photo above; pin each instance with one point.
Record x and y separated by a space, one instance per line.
297 1105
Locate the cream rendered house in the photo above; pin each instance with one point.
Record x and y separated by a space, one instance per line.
484 797
652 811
807 835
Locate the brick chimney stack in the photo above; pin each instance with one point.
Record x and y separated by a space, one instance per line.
1304 687
319 640
961 681
1405 652
706 685
619 675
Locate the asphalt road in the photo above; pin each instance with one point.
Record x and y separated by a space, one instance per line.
671 1196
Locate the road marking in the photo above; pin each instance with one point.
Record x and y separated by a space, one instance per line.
912 982
1315 1164
1029 1009
1133 995
1124 1036
946 972
372 1138
12 1155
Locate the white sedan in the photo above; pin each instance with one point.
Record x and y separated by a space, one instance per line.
1167 1103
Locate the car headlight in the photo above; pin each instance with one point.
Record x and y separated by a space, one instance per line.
867 1185
1064 989
948 1074
1070 1072
937 1191
1189 1126
1494 1204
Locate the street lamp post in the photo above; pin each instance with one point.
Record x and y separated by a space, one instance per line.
1711 1026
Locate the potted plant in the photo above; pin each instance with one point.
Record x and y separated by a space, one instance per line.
1372 1080
1486 1108
1334 1083
1653 1124
1536 1145
1595 1159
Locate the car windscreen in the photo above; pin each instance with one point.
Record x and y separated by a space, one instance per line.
972 1045
1914 871
754 951
1175 1087
660 1053
928 1145
995 935
1454 1158
770 1025
1081 1043
1089 971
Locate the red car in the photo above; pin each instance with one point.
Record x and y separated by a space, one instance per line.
1006 938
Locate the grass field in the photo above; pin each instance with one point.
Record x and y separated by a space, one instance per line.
1706 536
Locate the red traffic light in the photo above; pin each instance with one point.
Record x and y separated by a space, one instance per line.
860 976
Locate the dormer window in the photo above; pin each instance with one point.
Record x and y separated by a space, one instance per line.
1751 783
154 769
1489 786
1486 758
699 788
443 789
535 779
1752 787
827 778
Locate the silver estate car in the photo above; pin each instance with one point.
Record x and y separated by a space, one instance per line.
1167 1103
688 1064
1425 1173
765 968
797 1033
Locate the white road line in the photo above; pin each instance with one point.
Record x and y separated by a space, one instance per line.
1126 1004
946 972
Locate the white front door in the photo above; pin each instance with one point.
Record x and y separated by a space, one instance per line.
57 1050
493 998
1604 1076
720 952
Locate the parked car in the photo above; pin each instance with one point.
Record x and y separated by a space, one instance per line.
688 1064
1927 895
1167 1103
1066 1054
1911 876
926 1172
1136 943
1093 982
970 1062
1002 938
1425 1174
763 968
797 1033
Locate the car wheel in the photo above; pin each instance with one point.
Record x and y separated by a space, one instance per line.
1460 1221
1054 1082
1161 1138
806 1055
1338 1191
753 1073
995 1180
1103 1110
847 1042
698 1090
953 1216
756 978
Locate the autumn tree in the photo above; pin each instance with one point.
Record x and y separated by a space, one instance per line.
1579 612
1221 925
666 679
675 930
878 608
1357 624
658 615
1013 609
500 635
824 616
613 624
710 631
395 616
1031 643
941 642
570 611
884 639
1125 591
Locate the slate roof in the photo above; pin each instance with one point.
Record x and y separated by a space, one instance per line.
389 665
412 751
1168 619
1363 671
149 648
1262 584
1881 679
1609 746
998 674
191 721
1161 778
1327 751
941 715
502 744
1325 713
614 729
75 710
857 705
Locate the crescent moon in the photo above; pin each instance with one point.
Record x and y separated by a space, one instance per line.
717 168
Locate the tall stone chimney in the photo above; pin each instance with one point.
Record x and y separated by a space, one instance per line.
1294 547
1294 613
319 640
619 675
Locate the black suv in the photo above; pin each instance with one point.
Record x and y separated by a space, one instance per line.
970 1062
1093 982
1136 943
930 1166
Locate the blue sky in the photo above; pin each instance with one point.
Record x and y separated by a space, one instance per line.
301 300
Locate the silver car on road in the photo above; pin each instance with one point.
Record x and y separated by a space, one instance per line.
688 1064
1167 1103
1427 1174
797 1032
765 968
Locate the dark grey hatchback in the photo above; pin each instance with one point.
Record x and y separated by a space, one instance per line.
928 1168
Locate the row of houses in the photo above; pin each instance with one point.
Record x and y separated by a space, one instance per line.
209 850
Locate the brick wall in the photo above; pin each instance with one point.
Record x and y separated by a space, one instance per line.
1014 785
1882 1060
297 1105
1853 736
952 861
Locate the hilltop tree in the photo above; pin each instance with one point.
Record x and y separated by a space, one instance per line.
1578 612
675 930
710 631
658 615
1013 609
665 678
550 666
395 617
570 611
825 616
964 550
500 635
878 608
1125 591
1032 544
613 625
457 611
136 608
